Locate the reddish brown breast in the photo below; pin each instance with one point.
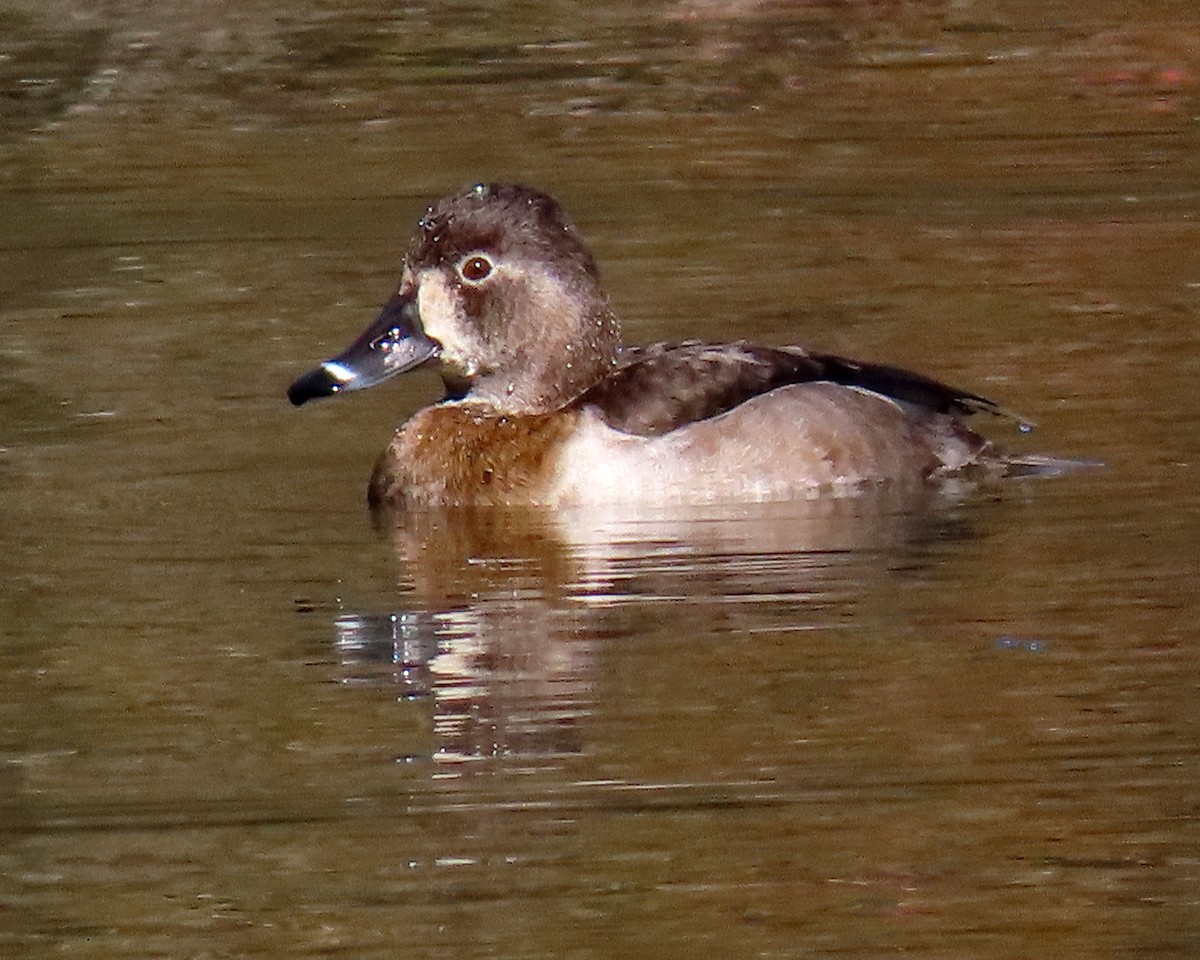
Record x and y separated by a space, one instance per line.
462 454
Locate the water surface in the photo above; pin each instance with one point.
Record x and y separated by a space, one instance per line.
238 720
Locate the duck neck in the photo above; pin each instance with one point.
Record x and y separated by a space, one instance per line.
552 373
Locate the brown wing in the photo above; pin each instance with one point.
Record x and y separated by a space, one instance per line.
659 388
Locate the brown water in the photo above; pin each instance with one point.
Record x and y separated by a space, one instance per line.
235 721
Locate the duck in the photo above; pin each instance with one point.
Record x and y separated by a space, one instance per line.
546 406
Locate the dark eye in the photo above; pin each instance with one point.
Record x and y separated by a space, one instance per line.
475 268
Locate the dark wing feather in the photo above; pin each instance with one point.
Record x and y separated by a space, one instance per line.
657 389
910 387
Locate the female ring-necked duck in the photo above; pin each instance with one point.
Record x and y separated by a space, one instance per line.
546 406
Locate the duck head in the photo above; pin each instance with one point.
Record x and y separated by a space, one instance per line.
499 287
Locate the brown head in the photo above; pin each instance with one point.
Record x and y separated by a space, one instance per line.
499 286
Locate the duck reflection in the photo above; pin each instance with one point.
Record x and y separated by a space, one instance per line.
491 634
505 611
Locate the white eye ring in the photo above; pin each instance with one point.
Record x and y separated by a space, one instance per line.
475 268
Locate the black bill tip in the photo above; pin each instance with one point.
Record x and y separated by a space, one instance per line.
318 382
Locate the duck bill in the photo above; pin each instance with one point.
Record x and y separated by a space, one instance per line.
392 344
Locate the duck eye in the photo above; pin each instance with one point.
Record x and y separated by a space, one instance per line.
475 268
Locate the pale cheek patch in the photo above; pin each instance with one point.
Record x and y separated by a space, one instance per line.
443 321
438 308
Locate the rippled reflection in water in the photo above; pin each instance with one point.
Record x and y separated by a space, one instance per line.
504 614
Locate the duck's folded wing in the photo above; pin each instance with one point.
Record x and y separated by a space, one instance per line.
660 388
